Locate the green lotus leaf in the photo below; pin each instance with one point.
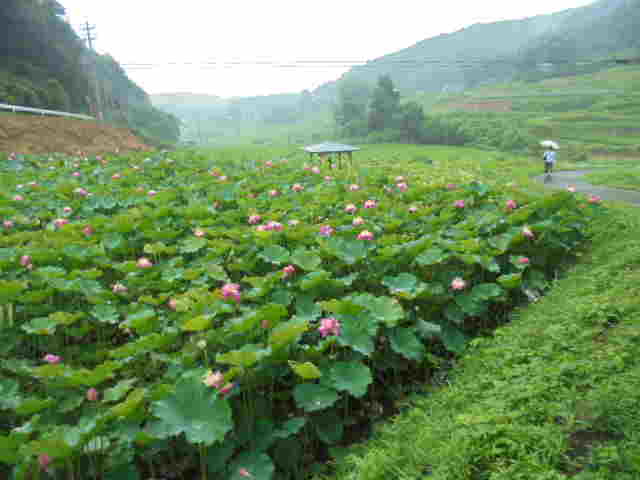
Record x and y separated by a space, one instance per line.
141 321
314 280
305 259
428 330
145 344
307 308
288 332
275 254
10 290
115 393
122 472
405 342
511 281
329 427
192 245
9 449
487 291
197 324
433 256
219 455
195 410
31 405
245 357
258 465
358 332
312 397
306 370
344 307
404 285
290 427
9 394
55 446
386 310
471 304
353 377
454 340
48 273
127 407
349 251
40 326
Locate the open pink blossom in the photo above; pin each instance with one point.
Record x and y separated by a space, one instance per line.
523 260
297 187
571 189
458 284
511 205
459 204
119 288
52 359
274 193
274 226
81 191
354 188
293 223
268 164
594 199
18 198
413 209
67 209
144 263
527 232
7 224
213 379
88 230
44 461
358 221
370 204
226 389
231 290
152 193
223 178
262 228
329 326
451 186
315 170
306 167
199 233
351 208
25 260
365 235
92 395
254 219
399 179
243 472
76 174
116 176
326 230
59 222
172 304
328 178
289 270
403 187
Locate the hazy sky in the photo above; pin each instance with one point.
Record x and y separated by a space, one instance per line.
159 32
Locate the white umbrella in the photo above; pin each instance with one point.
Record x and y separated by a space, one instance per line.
550 144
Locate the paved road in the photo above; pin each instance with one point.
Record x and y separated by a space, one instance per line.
562 180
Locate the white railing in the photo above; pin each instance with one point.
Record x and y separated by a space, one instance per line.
16 108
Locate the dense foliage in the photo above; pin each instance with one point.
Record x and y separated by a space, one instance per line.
240 318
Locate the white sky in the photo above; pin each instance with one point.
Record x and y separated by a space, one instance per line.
161 31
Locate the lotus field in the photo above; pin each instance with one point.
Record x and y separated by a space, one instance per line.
187 316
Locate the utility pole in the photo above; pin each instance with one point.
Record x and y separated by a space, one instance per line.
89 35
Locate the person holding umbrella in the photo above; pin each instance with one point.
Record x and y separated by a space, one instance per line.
549 156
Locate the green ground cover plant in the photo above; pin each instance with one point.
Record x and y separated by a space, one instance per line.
552 395
233 316
624 177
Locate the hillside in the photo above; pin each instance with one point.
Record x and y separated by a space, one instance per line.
567 42
45 135
44 64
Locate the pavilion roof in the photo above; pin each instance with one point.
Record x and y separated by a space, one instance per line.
330 147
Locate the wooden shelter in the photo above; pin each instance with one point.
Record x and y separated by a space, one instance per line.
324 150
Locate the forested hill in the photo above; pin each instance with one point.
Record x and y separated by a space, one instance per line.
44 64
577 40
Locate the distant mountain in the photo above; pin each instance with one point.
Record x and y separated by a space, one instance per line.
186 99
501 51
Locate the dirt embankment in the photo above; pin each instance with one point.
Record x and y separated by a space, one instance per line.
42 135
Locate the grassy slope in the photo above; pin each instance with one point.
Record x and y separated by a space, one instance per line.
553 394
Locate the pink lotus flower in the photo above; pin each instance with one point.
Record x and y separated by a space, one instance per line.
351 208
231 290
526 231
18 198
226 389
365 235
243 472
276 226
172 304
511 205
152 193
399 179
223 178
571 189
326 230
262 228
214 174
214 380
306 167
413 209
354 187
116 176
144 263
7 224
254 219
459 204
76 174
44 461
199 233
81 191
289 270
59 222
274 193
297 187
523 260
119 288
594 199
315 170
358 221
265 323
67 209
328 178
268 163
25 260
370 204
293 223
458 284
403 187
251 195
329 326
52 359
88 230
92 395
451 186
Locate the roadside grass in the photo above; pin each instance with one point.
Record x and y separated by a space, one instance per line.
625 178
551 395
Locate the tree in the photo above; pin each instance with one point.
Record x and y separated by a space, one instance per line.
384 112
351 111
413 122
